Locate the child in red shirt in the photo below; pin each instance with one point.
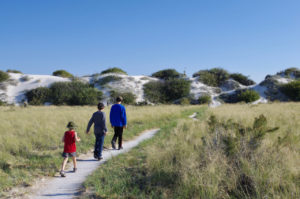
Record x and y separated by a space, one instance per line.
70 137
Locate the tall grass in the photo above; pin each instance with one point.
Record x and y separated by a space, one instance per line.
30 138
233 151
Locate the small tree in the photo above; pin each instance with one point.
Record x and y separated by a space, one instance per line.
128 98
204 99
154 92
13 71
113 70
292 90
242 79
167 74
38 96
62 73
3 76
176 88
248 96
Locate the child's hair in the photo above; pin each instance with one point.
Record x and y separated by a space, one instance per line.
119 99
71 125
100 106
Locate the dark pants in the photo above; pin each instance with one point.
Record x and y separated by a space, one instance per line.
118 134
99 145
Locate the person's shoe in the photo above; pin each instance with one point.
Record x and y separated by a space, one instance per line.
120 148
113 144
100 158
95 156
62 174
74 170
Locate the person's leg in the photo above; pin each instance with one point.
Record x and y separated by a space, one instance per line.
101 142
64 164
97 143
74 162
120 133
114 139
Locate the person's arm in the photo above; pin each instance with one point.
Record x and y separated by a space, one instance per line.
124 118
111 116
76 137
63 138
90 124
104 124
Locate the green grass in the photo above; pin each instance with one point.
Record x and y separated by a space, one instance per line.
30 138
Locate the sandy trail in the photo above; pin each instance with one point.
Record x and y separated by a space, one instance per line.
68 187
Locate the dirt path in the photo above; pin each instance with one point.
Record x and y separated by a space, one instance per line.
68 187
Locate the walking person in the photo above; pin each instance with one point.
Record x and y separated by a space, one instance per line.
99 120
118 122
70 137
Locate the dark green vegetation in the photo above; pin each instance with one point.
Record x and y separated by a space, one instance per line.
62 73
13 71
217 76
240 96
167 74
291 72
113 70
167 91
128 98
242 79
104 80
204 99
65 93
292 90
3 76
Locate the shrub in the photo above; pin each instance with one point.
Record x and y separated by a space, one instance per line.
107 79
213 77
154 92
38 96
204 99
242 79
174 89
2 103
13 71
185 101
248 96
62 73
128 98
113 70
292 90
167 74
74 93
291 72
25 78
3 76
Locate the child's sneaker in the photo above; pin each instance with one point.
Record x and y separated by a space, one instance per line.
120 148
62 174
113 144
100 158
74 170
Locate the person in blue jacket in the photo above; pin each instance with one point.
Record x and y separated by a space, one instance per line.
118 122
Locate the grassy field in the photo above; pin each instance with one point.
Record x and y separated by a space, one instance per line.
30 138
233 151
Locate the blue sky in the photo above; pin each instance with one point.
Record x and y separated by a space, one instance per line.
253 37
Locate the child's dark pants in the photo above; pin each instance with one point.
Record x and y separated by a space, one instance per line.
99 145
118 134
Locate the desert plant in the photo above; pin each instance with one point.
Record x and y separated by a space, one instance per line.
13 71
213 77
3 76
110 78
154 92
174 89
167 74
204 99
291 72
248 96
292 90
242 79
62 73
74 93
38 96
128 97
113 70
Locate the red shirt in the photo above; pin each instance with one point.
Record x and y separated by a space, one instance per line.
70 146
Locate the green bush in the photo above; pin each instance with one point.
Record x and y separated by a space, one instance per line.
3 76
167 74
167 91
107 79
248 96
242 79
2 103
292 90
74 93
62 73
38 96
204 99
13 71
154 92
291 72
213 77
128 98
113 70
185 101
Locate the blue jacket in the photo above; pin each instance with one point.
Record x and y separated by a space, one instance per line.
118 115
98 119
